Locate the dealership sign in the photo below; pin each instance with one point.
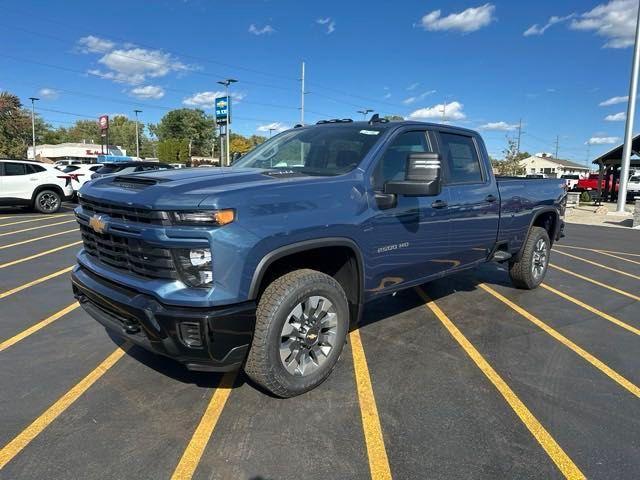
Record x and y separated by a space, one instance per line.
103 122
223 110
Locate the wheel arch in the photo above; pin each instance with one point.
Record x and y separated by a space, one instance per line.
48 186
547 218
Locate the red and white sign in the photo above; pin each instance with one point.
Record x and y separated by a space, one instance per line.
103 122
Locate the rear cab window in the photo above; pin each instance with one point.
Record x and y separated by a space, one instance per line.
460 154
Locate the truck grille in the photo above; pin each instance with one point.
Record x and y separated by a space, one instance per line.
129 254
120 212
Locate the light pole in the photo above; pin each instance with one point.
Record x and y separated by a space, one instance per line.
271 129
226 84
137 137
365 112
33 123
628 132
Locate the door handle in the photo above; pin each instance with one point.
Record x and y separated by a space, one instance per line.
490 198
439 204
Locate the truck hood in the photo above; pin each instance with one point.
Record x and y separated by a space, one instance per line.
185 188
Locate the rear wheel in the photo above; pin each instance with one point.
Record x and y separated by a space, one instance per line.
301 327
530 270
47 201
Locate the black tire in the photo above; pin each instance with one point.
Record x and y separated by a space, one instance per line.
529 271
47 201
264 364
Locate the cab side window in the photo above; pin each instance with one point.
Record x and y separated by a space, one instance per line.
392 165
459 151
14 169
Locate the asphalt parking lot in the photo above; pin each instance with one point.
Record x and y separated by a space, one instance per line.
466 377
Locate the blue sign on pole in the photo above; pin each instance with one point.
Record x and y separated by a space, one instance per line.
223 110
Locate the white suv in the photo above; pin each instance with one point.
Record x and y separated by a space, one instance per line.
33 184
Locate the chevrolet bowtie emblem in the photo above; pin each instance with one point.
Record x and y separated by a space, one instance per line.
98 223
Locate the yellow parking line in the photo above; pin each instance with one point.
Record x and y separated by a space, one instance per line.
35 228
602 252
46 252
192 454
2 247
569 469
596 282
376 451
600 313
596 250
38 326
15 446
38 219
34 282
609 372
596 264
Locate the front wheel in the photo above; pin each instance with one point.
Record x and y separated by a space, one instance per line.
301 327
529 271
47 201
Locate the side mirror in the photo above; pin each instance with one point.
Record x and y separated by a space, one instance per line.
423 176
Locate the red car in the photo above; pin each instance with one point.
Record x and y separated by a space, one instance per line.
590 184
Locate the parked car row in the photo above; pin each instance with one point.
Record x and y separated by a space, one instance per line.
44 187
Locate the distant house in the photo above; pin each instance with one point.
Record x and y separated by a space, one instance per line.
552 167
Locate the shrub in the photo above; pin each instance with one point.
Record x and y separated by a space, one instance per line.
585 197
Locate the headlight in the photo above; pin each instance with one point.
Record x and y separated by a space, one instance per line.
195 266
203 217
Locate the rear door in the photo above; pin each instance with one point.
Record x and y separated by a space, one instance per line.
407 240
474 205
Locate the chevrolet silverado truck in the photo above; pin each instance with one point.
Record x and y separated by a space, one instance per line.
264 265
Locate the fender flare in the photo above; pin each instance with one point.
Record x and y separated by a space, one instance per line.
534 217
302 246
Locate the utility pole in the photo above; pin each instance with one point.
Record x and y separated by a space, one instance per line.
137 134
302 94
557 146
519 134
365 112
444 111
227 131
33 123
628 131
271 129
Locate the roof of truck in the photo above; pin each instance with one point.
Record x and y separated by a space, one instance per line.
336 123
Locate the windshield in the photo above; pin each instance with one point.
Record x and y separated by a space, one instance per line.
323 150
105 169
635 179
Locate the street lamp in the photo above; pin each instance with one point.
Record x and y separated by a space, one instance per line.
137 134
271 129
365 112
33 123
226 84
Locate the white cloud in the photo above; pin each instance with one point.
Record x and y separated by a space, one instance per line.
93 44
135 65
266 30
413 86
48 93
453 111
147 92
602 140
538 30
206 99
614 101
615 21
499 126
274 127
329 23
468 20
415 98
616 117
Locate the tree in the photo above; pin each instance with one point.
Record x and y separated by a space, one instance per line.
192 125
174 150
15 127
511 164
239 144
394 118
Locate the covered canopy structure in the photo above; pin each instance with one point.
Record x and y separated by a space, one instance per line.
609 165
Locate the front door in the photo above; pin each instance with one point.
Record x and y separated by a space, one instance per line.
407 240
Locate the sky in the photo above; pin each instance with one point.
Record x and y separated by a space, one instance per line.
560 67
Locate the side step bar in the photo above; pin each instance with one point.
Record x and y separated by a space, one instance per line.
500 256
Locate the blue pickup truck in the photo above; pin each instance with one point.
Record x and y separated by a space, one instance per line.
265 265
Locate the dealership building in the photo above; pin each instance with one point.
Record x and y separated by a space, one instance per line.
81 152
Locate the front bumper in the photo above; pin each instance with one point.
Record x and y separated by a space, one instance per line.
225 332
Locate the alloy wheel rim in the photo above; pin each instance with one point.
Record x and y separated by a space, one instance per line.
48 201
540 259
308 335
